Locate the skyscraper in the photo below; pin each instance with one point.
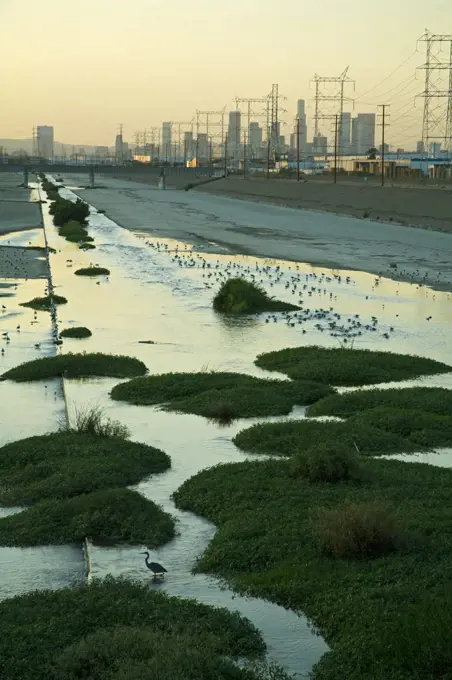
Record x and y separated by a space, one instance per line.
234 128
363 133
301 126
255 140
166 139
45 141
345 126
188 145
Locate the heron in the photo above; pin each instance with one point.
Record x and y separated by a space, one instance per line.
155 567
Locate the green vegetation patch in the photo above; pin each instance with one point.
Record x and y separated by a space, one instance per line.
44 304
76 332
431 399
293 436
92 271
238 296
87 246
64 211
215 394
120 630
385 615
74 232
77 366
65 464
339 366
106 516
422 428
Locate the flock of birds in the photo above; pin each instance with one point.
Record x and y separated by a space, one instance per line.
315 293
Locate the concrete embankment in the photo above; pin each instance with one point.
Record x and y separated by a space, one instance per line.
429 208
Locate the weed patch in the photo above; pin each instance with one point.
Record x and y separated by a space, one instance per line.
295 436
341 366
326 463
44 304
432 399
76 332
215 394
265 546
422 428
238 296
92 271
121 630
65 464
77 366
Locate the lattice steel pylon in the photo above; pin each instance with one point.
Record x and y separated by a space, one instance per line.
330 97
263 113
209 120
274 110
437 95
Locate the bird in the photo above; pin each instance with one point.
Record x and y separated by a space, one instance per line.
155 567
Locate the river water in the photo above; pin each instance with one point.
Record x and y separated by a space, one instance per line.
160 291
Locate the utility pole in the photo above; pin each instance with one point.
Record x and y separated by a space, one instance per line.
336 128
383 124
244 154
226 156
298 149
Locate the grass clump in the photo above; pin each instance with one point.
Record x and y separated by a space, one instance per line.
340 366
432 399
44 304
106 516
219 396
64 211
81 365
238 296
92 271
122 630
326 463
266 546
65 464
76 332
294 436
356 531
87 246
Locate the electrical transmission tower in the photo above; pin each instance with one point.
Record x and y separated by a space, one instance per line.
183 126
274 110
209 120
262 113
330 97
437 95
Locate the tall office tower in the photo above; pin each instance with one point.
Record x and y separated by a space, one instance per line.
203 146
255 140
45 140
320 145
302 125
166 139
345 129
234 127
188 145
420 147
363 133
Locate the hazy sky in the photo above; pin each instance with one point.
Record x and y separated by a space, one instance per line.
85 66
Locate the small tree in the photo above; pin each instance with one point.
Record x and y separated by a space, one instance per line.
372 154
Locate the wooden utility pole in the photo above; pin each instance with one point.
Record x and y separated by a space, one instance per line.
336 126
298 149
383 124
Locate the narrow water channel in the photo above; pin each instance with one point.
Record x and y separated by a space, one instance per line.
160 291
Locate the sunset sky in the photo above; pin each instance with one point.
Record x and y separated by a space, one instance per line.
85 66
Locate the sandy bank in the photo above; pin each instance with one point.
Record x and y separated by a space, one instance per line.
248 227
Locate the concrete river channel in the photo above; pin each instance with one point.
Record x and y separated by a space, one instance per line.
151 295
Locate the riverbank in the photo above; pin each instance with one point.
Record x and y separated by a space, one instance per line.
227 225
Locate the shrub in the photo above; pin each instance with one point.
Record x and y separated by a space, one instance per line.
44 304
65 210
109 516
76 332
431 399
82 458
92 271
340 366
87 246
238 296
74 232
77 366
356 531
325 463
